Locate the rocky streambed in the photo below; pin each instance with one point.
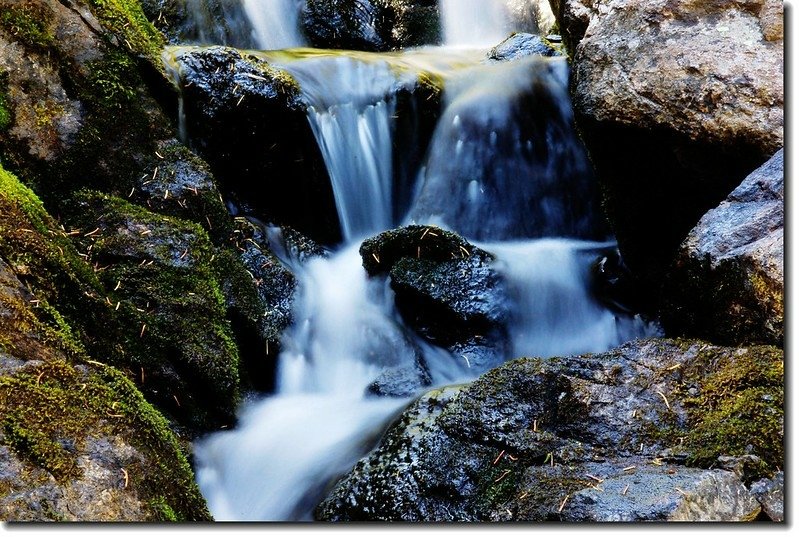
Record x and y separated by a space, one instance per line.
158 221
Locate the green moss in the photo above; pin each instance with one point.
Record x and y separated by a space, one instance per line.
29 22
126 20
739 409
6 114
51 410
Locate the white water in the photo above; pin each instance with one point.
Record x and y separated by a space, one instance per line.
351 102
288 448
275 23
474 23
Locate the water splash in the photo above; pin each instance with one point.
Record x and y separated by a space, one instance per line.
474 23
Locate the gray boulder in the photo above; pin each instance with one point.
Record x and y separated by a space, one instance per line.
691 93
630 434
727 284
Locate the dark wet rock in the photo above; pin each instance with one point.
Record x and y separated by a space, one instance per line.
631 434
520 45
727 283
400 382
373 25
247 120
613 284
771 495
259 295
201 22
182 185
445 288
692 92
342 24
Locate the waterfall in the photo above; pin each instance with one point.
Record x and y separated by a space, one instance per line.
250 24
505 161
275 23
351 102
474 23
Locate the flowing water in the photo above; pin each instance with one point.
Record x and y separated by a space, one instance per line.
275 23
474 23
504 169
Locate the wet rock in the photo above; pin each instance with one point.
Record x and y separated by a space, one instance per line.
613 436
520 45
691 92
445 288
727 283
373 25
342 24
771 495
400 382
246 119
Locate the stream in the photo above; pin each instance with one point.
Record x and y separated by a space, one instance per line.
504 169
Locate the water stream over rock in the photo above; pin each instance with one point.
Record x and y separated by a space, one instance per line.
505 168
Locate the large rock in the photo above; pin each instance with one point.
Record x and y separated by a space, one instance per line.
168 324
78 442
631 434
678 101
727 283
248 121
445 288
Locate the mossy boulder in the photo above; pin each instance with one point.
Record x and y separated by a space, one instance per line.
727 283
170 327
77 441
633 434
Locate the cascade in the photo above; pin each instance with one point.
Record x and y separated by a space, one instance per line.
474 23
504 169
275 23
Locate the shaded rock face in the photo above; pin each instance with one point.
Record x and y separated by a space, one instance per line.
247 120
78 442
628 435
690 93
727 283
373 25
771 495
168 324
445 289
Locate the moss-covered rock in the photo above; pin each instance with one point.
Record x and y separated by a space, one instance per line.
77 439
168 325
631 434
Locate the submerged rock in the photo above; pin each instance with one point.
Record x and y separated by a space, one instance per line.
691 93
727 283
445 288
630 434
